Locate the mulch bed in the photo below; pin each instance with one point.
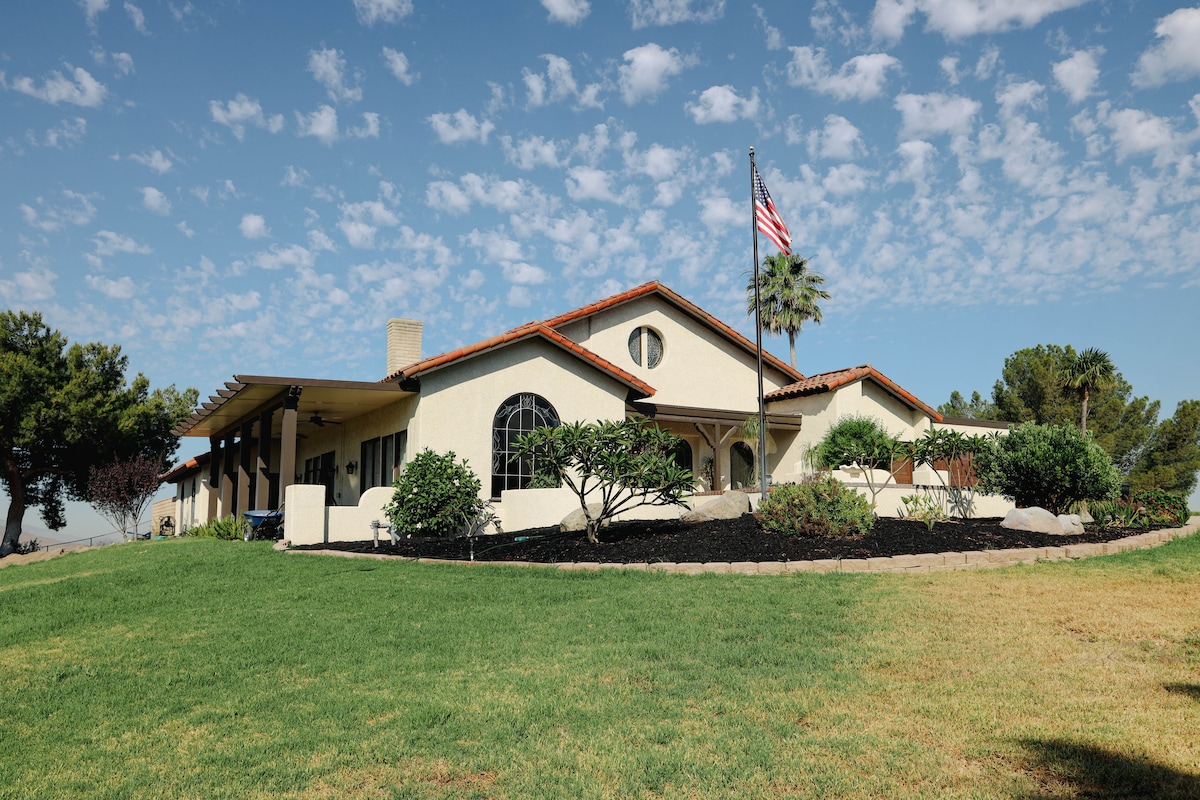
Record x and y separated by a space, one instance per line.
743 539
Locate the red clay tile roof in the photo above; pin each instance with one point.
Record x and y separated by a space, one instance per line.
518 334
548 330
829 381
185 468
682 304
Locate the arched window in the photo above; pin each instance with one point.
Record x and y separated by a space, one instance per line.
741 465
517 416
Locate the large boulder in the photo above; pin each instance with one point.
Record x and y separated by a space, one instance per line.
730 505
1039 520
576 521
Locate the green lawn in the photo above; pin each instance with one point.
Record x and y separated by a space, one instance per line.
194 668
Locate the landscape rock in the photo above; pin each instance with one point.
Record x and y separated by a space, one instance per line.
1039 520
576 521
730 505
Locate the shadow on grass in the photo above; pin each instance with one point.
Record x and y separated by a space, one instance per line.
1191 690
1069 769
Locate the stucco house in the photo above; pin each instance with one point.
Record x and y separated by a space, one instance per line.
330 448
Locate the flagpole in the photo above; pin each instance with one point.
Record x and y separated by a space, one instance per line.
762 421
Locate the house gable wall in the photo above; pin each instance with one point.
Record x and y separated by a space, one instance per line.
459 403
699 366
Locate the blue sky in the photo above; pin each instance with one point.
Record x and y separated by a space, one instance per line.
250 187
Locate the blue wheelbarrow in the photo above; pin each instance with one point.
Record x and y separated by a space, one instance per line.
264 524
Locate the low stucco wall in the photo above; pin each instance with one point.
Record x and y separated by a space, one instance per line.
538 508
307 520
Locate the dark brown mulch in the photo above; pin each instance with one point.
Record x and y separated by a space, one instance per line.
732 540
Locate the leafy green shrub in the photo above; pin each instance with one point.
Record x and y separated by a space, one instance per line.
1162 508
1149 508
435 496
856 439
27 547
1051 466
820 505
229 528
924 508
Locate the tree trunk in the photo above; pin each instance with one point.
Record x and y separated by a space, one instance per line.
1083 415
792 347
16 509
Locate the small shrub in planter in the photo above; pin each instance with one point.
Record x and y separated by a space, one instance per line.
820 505
924 508
233 528
435 496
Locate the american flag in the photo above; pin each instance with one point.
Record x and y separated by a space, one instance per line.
769 221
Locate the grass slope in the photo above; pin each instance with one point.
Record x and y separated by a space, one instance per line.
197 668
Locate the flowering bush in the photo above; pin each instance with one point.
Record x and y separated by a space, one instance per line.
820 505
435 496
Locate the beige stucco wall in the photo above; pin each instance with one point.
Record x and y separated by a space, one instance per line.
459 402
699 368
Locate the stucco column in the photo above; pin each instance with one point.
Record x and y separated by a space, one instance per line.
227 477
243 473
214 476
262 489
287 444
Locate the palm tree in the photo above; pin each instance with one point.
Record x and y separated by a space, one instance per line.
789 293
1089 370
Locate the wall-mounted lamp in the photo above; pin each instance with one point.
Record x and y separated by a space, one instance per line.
350 467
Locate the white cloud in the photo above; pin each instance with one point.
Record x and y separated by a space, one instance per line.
32 286
829 20
109 244
460 126
531 153
1177 55
371 11
524 274
92 9
845 179
137 18
773 35
957 19
722 104
321 124
918 167
155 201
505 196
861 78
185 229
76 209
254 226
949 66
368 130
839 140
293 255
122 63
120 289
720 213
397 64
519 297
1077 76
83 90
67 133
935 113
496 247
295 177
657 161
240 112
557 85
988 60
588 183
644 13
568 12
153 159
329 68
1137 132
645 73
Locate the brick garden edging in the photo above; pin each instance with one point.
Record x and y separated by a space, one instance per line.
927 562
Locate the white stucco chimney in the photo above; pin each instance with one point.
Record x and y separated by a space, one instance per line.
403 343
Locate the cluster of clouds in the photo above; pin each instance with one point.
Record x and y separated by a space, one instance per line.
609 222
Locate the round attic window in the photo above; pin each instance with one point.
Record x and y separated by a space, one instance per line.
645 347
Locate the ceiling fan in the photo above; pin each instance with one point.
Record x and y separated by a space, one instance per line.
321 422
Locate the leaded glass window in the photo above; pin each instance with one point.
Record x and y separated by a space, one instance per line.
517 416
648 341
